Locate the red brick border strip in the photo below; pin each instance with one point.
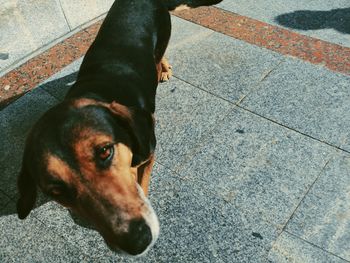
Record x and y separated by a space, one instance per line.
41 67
332 56
27 76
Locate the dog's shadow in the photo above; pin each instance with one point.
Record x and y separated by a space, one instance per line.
338 19
16 121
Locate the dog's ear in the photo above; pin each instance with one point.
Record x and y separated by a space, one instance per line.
140 126
27 192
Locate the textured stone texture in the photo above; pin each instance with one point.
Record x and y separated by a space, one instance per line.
258 166
79 12
31 241
307 17
309 99
288 249
184 115
15 123
221 65
323 217
27 25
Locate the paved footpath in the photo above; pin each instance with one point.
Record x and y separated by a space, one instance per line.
253 154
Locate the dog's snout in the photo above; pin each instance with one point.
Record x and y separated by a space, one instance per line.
139 237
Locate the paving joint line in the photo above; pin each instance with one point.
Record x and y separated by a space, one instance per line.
259 83
330 157
65 17
268 119
294 130
59 235
314 245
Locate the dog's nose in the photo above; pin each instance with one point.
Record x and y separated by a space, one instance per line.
139 237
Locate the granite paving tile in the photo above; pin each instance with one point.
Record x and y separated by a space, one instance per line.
307 98
31 241
79 12
15 122
183 32
58 84
59 220
224 66
262 168
4 200
306 17
323 217
289 248
196 225
22 32
183 115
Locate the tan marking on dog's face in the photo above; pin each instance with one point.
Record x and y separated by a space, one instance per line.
59 169
106 196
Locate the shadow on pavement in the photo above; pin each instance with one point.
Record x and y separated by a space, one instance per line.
16 121
338 19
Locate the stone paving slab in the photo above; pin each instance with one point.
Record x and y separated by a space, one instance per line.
59 84
183 32
262 168
27 25
288 249
307 98
184 115
323 217
15 123
221 234
31 241
317 16
4 200
221 65
79 12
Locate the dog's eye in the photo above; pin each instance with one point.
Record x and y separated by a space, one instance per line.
105 153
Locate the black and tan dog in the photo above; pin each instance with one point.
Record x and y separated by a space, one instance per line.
93 153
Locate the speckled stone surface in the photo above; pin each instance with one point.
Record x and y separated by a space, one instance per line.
79 12
31 241
323 217
222 66
288 249
259 166
184 115
15 83
35 71
183 32
4 199
307 17
309 99
27 25
222 233
15 123
59 84
283 41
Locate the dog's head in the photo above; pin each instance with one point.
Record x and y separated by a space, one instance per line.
84 154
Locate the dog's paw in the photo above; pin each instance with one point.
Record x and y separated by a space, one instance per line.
167 71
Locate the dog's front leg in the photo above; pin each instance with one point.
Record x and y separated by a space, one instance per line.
144 174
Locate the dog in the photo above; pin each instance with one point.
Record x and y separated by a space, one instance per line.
93 152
